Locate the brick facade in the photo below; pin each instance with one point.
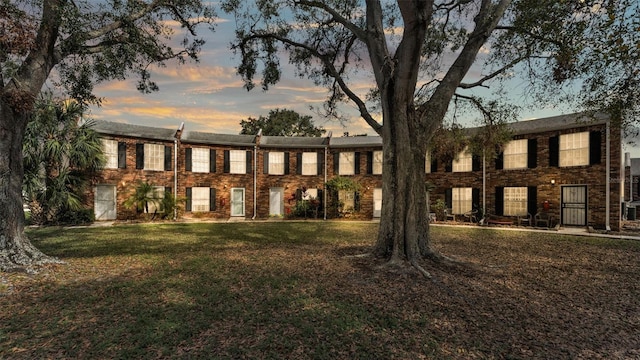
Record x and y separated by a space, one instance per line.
545 180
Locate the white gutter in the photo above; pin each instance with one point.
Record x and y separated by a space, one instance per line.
608 181
484 185
326 157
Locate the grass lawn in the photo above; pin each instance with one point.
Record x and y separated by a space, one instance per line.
297 290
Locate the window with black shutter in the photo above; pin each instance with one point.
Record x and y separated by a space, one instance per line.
139 156
227 164
265 162
298 163
188 195
212 160
249 159
554 151
187 159
122 155
499 201
168 159
532 153
595 147
212 199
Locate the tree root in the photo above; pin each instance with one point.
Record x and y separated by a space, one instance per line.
420 269
25 261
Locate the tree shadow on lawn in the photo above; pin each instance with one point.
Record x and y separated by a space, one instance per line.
578 300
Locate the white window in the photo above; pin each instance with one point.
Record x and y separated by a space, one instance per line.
157 194
463 162
347 163
427 162
347 199
276 163
110 148
154 157
461 200
310 194
200 160
237 162
377 162
515 201
515 154
309 163
200 199
574 149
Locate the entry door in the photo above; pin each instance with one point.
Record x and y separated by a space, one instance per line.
105 202
237 202
377 202
574 205
276 201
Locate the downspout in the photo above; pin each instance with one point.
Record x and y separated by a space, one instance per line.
608 180
175 167
255 175
326 157
484 186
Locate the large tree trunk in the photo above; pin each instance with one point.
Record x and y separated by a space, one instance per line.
16 251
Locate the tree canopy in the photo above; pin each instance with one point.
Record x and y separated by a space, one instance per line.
282 122
407 66
70 46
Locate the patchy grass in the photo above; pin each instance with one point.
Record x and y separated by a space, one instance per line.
293 290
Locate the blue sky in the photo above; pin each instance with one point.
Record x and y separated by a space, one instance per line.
209 96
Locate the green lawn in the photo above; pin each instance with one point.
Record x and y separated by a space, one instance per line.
296 290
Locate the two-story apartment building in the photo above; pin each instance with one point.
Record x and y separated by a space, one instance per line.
568 166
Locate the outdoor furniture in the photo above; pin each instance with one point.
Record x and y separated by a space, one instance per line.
432 217
544 219
449 215
525 220
471 216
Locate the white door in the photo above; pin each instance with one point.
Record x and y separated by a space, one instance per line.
105 202
377 202
276 201
237 202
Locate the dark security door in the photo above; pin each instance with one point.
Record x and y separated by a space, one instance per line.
574 205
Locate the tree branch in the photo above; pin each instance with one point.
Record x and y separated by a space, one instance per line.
492 75
361 34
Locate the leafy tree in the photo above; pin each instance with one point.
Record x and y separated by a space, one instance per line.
85 42
418 56
61 152
282 122
141 197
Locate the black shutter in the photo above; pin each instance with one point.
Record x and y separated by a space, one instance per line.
212 199
532 200
500 161
476 163
122 155
434 165
249 158
336 163
532 153
369 162
286 163
499 201
448 167
356 163
320 198
320 163
212 160
227 166
265 162
448 198
298 163
168 160
139 156
554 151
356 201
475 199
298 194
595 147
187 159
187 206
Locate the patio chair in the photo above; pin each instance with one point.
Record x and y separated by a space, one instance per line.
544 219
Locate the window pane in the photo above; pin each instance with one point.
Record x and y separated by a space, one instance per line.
199 199
515 201
515 154
238 162
347 163
463 163
461 200
154 157
347 199
276 163
574 149
110 148
309 163
200 160
377 162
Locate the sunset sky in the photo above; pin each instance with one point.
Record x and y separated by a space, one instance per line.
209 96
